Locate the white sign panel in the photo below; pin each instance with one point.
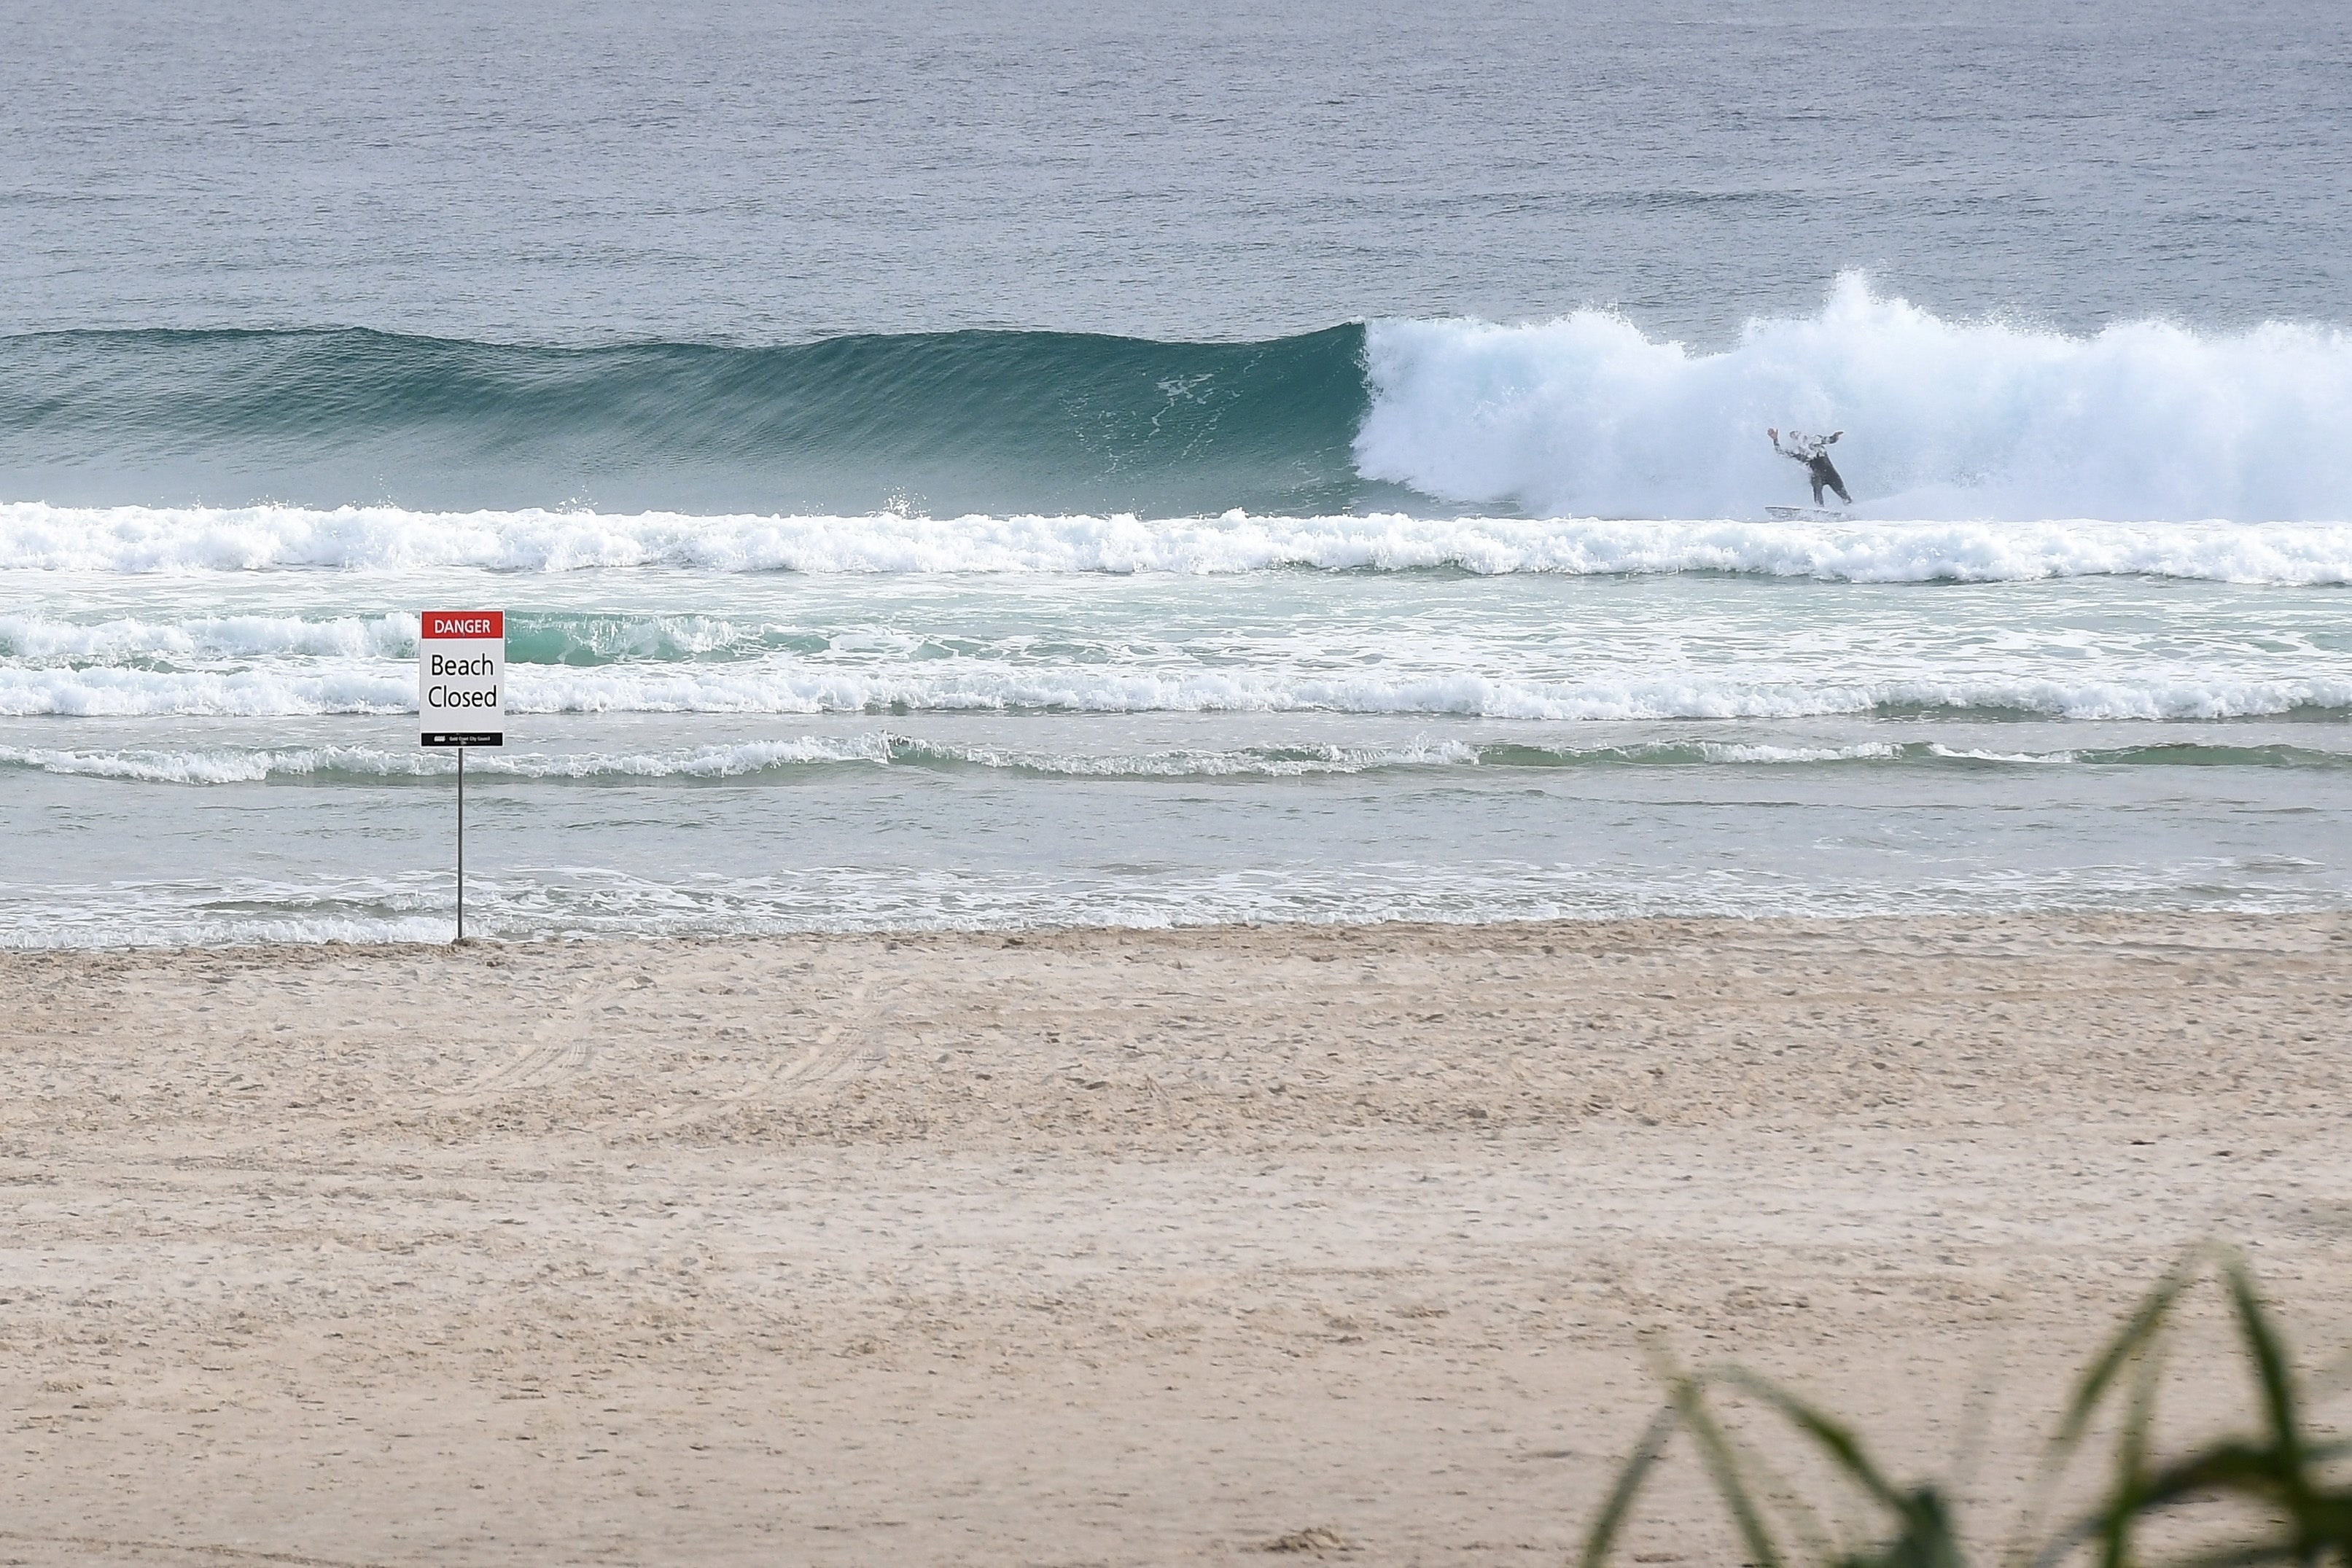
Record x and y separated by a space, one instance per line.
461 671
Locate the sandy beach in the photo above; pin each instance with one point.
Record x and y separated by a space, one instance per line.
1105 1246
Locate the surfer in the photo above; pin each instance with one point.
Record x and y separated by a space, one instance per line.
1813 452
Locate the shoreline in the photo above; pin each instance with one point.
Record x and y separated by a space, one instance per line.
1022 934
1111 1244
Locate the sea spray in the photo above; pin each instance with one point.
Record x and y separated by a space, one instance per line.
1956 419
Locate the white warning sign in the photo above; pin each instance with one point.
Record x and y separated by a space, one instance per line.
461 671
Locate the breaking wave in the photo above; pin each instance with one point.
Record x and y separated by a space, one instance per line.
747 760
36 535
787 687
1585 415
2145 421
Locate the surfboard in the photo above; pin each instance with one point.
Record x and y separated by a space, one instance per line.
1806 514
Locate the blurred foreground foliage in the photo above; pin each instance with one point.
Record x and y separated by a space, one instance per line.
2279 1492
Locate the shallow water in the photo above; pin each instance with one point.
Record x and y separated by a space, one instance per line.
978 468
229 757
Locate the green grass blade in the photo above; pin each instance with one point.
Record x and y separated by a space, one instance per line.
1636 1469
2128 1500
1833 1436
1723 1466
2147 1321
2275 1376
2291 1479
2139 1332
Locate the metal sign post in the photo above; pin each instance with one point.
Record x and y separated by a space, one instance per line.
461 667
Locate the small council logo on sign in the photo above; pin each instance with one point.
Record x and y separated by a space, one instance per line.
461 666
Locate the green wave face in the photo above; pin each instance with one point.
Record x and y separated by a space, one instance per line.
589 642
947 423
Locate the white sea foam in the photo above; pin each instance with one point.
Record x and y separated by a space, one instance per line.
229 764
1725 751
584 902
36 536
2145 420
766 687
102 691
44 639
235 765
245 765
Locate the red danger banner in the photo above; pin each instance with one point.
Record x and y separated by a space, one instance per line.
461 661
442 625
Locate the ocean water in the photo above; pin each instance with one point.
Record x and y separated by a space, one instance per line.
985 467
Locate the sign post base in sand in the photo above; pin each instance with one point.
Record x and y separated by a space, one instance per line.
461 666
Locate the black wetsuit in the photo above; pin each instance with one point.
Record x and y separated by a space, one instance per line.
1818 468
1824 473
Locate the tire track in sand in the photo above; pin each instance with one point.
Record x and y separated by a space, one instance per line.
564 1047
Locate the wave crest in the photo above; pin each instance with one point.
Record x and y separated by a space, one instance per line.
953 421
744 760
36 535
786 688
2146 420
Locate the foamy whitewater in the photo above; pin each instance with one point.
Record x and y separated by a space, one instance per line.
2143 421
1423 619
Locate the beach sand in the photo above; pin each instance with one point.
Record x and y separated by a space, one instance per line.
1107 1247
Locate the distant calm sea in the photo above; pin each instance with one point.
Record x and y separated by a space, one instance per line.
976 466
